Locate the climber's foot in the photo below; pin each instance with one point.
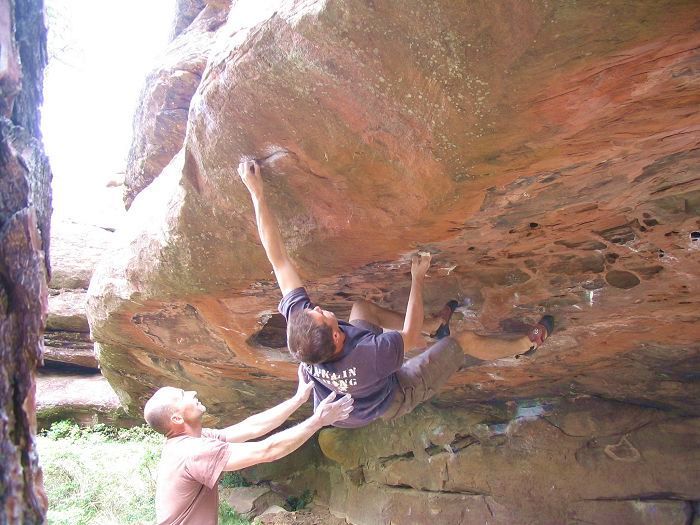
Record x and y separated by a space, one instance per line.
539 333
445 315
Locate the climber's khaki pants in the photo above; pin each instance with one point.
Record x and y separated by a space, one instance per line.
422 376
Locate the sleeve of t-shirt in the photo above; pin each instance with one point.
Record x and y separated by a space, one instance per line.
295 300
389 352
214 434
207 462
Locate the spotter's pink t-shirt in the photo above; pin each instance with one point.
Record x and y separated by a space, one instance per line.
188 473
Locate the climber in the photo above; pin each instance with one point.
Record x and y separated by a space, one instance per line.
193 457
365 356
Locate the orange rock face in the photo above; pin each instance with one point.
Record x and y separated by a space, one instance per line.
545 153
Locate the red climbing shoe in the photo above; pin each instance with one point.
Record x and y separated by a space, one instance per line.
541 331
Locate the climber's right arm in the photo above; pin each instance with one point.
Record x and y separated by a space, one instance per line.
287 277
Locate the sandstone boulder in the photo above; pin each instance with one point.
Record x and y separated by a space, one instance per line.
67 337
545 155
78 247
313 515
67 311
69 348
185 12
632 512
273 510
161 117
86 399
585 461
251 501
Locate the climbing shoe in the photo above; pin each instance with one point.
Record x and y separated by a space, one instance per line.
445 314
540 332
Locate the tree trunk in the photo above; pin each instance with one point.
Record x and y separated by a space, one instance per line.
25 213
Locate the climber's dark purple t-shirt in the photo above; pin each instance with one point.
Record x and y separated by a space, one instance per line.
365 369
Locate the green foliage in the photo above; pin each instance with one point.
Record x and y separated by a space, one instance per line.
228 516
233 479
61 430
101 432
99 475
294 503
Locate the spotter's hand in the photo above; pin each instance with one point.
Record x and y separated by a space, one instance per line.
328 412
304 389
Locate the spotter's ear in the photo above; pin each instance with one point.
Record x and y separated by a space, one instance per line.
177 419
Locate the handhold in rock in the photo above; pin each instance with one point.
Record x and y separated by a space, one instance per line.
622 279
623 451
